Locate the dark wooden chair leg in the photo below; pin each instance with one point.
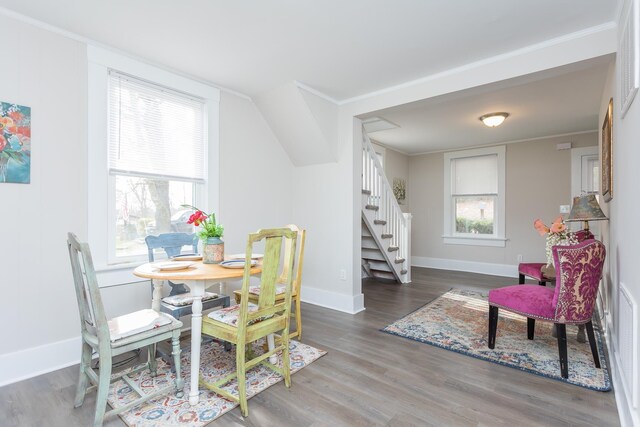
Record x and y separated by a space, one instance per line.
562 349
493 325
531 327
594 345
521 279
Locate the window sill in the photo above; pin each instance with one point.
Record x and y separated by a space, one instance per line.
499 242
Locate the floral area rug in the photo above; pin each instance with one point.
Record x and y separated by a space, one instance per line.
215 362
458 321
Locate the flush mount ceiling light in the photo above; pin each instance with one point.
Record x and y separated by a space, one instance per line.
493 119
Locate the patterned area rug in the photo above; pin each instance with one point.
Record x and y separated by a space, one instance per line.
458 321
215 362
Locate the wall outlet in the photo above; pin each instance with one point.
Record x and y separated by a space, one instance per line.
519 257
565 208
343 274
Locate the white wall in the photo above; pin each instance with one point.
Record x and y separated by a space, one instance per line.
623 234
48 72
538 181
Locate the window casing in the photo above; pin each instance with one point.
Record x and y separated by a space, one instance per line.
474 197
153 147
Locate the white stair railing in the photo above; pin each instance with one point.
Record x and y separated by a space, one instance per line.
398 224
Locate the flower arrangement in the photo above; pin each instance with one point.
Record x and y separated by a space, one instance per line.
557 234
399 189
207 221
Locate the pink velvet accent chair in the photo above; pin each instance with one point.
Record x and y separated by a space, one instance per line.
533 270
572 301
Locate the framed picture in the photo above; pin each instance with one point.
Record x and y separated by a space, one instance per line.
607 154
15 143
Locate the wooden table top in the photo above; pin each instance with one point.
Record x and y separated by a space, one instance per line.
198 271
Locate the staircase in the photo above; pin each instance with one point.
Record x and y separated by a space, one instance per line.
386 230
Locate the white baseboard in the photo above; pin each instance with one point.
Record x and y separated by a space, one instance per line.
333 300
505 270
629 416
34 361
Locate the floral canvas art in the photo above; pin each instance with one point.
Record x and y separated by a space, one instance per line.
15 143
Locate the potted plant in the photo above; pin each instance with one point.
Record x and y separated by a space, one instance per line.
210 234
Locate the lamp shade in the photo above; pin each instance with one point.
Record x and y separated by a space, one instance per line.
586 208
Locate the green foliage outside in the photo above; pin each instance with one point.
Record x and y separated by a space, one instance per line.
480 226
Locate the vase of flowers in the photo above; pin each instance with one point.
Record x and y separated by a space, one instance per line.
210 234
557 234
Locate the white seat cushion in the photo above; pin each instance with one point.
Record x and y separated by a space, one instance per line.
137 322
229 315
187 299
255 290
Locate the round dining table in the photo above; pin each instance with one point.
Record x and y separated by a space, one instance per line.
197 277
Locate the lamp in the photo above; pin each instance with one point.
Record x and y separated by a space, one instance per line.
586 208
493 119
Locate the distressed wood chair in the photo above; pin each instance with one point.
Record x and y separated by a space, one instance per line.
579 270
179 302
119 335
254 291
244 323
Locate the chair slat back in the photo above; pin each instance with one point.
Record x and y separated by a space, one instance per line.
274 241
92 316
299 259
172 243
578 273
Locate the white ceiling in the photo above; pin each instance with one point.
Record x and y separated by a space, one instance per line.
343 48
554 102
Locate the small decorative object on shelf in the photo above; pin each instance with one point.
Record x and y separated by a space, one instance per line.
556 235
399 189
210 234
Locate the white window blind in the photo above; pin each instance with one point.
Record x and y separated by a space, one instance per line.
474 175
154 131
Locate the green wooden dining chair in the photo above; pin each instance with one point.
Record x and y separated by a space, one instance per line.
244 323
109 338
254 291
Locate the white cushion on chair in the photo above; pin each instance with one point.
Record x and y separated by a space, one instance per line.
187 299
229 315
255 290
137 322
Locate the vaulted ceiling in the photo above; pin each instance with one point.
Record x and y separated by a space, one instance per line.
343 48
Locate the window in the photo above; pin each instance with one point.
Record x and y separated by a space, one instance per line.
156 161
153 147
474 197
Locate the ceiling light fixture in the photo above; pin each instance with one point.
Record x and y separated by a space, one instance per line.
493 119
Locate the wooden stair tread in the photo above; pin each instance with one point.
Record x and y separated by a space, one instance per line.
399 260
393 248
379 222
367 192
386 236
372 207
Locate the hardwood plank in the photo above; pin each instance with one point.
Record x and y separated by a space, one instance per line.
368 378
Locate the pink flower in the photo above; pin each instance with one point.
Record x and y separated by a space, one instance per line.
197 218
558 226
539 225
3 142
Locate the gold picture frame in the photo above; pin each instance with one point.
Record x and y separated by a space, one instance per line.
606 158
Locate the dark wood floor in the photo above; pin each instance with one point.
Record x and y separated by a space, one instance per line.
368 378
